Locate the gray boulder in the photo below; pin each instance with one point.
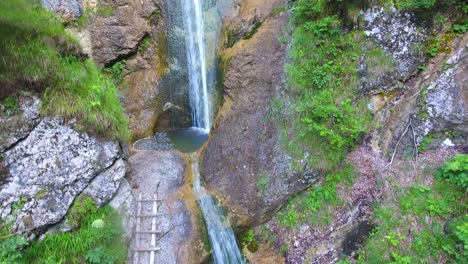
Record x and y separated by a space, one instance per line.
399 35
68 10
45 170
17 123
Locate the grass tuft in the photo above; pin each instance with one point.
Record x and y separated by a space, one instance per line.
38 55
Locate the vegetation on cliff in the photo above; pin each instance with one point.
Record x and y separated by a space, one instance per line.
38 55
96 238
330 119
424 223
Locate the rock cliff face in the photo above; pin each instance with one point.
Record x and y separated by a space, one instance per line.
45 164
142 40
244 146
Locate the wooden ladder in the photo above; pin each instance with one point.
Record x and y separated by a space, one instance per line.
152 249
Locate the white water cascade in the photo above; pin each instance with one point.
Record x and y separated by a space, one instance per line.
222 239
196 60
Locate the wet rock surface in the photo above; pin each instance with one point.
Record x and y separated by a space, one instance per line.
46 169
160 173
244 145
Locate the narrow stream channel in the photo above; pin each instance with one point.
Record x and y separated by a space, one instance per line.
222 238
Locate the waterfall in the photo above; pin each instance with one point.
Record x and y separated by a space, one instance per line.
196 60
222 238
221 235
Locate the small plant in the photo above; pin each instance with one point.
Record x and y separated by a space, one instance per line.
460 28
10 249
289 218
263 184
254 30
425 143
145 43
248 237
279 9
115 72
15 207
100 256
442 19
11 103
455 170
106 11
98 224
284 248
421 68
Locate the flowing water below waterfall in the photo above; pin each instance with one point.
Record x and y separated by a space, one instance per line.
222 238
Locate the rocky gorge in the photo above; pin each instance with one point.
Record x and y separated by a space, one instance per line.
409 72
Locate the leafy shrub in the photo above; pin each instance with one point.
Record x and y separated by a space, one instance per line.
10 249
101 243
322 70
455 170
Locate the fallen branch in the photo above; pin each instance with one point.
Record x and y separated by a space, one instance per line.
399 140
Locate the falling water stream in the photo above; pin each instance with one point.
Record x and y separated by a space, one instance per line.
222 238
196 62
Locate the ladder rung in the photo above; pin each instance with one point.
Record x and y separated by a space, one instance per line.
147 249
150 215
149 200
148 232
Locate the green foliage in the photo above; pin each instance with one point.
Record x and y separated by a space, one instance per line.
115 72
263 184
289 218
254 30
306 10
11 103
323 73
461 28
248 237
425 143
38 55
106 11
455 170
145 43
279 9
10 249
423 224
15 207
101 243
415 4
100 255
80 209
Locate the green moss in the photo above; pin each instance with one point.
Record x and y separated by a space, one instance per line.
144 44
254 30
263 184
38 55
106 10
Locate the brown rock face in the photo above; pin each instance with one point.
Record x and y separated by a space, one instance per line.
244 163
116 34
